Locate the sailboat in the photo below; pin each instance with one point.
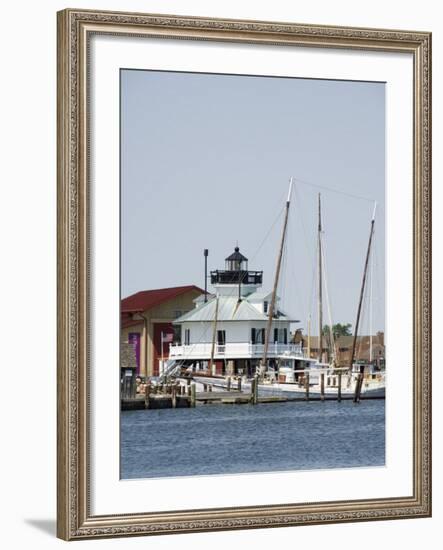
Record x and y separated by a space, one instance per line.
289 371
321 378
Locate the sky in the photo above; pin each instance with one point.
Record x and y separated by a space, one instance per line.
206 161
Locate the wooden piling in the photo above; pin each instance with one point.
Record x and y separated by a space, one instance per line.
193 395
322 386
358 385
307 386
339 387
254 390
174 396
147 392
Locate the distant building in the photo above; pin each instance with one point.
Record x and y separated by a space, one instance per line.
343 346
147 323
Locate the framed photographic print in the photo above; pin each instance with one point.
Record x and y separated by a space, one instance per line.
243 274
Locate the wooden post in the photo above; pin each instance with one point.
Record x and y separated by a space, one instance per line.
174 396
339 387
193 395
307 386
254 390
147 392
358 385
322 386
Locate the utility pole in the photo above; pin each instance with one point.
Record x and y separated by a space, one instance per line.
205 253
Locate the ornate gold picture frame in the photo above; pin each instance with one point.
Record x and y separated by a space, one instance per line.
75 518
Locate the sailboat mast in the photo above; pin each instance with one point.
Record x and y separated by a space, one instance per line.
371 277
309 337
276 278
362 290
320 284
214 334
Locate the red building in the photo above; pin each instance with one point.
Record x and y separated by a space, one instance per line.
147 322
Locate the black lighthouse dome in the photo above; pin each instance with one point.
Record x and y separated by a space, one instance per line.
236 271
236 261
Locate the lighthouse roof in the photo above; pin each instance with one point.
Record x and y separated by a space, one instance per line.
236 256
229 309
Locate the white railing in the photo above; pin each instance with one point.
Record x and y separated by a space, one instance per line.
234 350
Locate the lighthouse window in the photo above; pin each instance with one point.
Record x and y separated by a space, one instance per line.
187 336
265 306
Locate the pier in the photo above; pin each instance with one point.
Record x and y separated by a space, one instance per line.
178 395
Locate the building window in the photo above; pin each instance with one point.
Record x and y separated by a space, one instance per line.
177 338
258 335
265 306
281 335
221 337
187 336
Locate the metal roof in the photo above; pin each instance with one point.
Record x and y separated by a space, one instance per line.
229 309
259 296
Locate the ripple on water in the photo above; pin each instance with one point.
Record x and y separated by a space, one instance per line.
224 439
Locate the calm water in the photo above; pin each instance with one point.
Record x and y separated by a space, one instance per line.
224 439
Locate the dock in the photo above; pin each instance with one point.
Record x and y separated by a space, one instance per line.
176 396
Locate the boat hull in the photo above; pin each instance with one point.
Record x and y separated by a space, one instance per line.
376 390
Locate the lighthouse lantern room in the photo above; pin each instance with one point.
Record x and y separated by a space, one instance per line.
236 274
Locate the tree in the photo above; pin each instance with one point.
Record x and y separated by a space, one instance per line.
338 330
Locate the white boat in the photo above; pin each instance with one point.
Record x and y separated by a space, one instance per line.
291 382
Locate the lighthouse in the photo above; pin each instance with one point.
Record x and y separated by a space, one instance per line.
231 323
